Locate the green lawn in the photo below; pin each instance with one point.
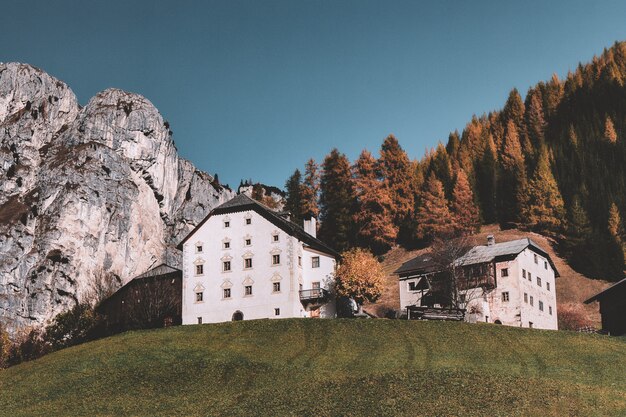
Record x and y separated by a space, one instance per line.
326 367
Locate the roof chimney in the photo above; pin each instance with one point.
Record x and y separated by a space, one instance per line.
310 226
491 240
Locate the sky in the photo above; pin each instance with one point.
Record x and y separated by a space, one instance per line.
253 89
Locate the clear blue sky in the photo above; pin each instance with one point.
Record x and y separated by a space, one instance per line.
254 88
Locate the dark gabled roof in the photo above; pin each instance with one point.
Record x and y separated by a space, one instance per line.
421 264
500 251
606 291
244 203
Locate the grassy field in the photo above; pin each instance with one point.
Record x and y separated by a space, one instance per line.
326 367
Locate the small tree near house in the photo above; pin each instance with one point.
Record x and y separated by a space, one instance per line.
359 277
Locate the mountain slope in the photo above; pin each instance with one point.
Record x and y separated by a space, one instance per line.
326 367
85 191
571 286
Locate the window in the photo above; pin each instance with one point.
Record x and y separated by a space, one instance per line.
276 287
505 296
550 310
529 277
277 311
248 242
545 264
412 286
504 272
247 263
275 259
315 262
248 290
299 260
199 297
248 221
226 245
227 224
315 285
526 298
548 286
540 305
226 266
531 300
275 238
536 259
199 269
524 273
199 320
226 293
530 324
198 248
539 281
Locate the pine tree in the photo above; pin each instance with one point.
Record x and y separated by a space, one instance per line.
535 120
336 201
294 202
514 111
464 211
310 189
609 130
434 218
545 210
397 174
512 179
615 223
374 226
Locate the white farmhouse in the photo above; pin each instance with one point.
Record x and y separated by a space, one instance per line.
513 283
245 261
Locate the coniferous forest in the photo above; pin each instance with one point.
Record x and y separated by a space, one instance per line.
552 161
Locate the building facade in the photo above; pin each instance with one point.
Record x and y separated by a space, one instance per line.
244 261
511 283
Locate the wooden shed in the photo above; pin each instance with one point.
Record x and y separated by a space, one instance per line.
612 308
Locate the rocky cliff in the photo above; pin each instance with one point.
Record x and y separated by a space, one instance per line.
85 191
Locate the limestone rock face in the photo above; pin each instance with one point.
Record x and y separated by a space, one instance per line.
84 191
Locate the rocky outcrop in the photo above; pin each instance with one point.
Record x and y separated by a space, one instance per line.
85 190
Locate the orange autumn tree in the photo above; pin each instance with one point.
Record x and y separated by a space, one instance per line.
359 277
375 228
433 217
464 211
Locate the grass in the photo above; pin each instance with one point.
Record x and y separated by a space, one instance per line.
326 367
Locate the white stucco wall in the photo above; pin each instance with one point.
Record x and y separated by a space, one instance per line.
263 301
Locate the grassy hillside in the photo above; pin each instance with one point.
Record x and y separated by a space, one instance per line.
326 367
571 287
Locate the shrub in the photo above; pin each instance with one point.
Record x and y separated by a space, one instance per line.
572 316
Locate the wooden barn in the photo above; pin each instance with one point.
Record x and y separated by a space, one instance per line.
152 299
612 308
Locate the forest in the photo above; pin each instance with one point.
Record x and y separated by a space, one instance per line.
551 162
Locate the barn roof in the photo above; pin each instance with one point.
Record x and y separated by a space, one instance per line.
244 203
421 264
606 291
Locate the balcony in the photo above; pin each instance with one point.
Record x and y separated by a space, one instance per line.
314 298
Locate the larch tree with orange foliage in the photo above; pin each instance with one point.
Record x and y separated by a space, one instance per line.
374 226
359 277
464 210
433 216
397 173
310 189
609 130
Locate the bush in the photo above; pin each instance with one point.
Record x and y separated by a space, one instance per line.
572 316
75 326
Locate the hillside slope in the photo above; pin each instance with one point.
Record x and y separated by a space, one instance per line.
571 286
326 367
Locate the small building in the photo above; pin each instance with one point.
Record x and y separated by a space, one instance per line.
612 308
245 261
152 299
510 283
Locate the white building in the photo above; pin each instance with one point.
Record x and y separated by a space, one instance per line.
513 284
245 261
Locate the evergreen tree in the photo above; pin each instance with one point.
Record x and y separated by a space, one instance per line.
397 174
374 225
514 111
434 218
464 211
294 203
486 183
535 120
512 179
336 201
609 130
310 189
454 142
545 210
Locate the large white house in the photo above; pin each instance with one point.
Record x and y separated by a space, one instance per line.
245 261
512 283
